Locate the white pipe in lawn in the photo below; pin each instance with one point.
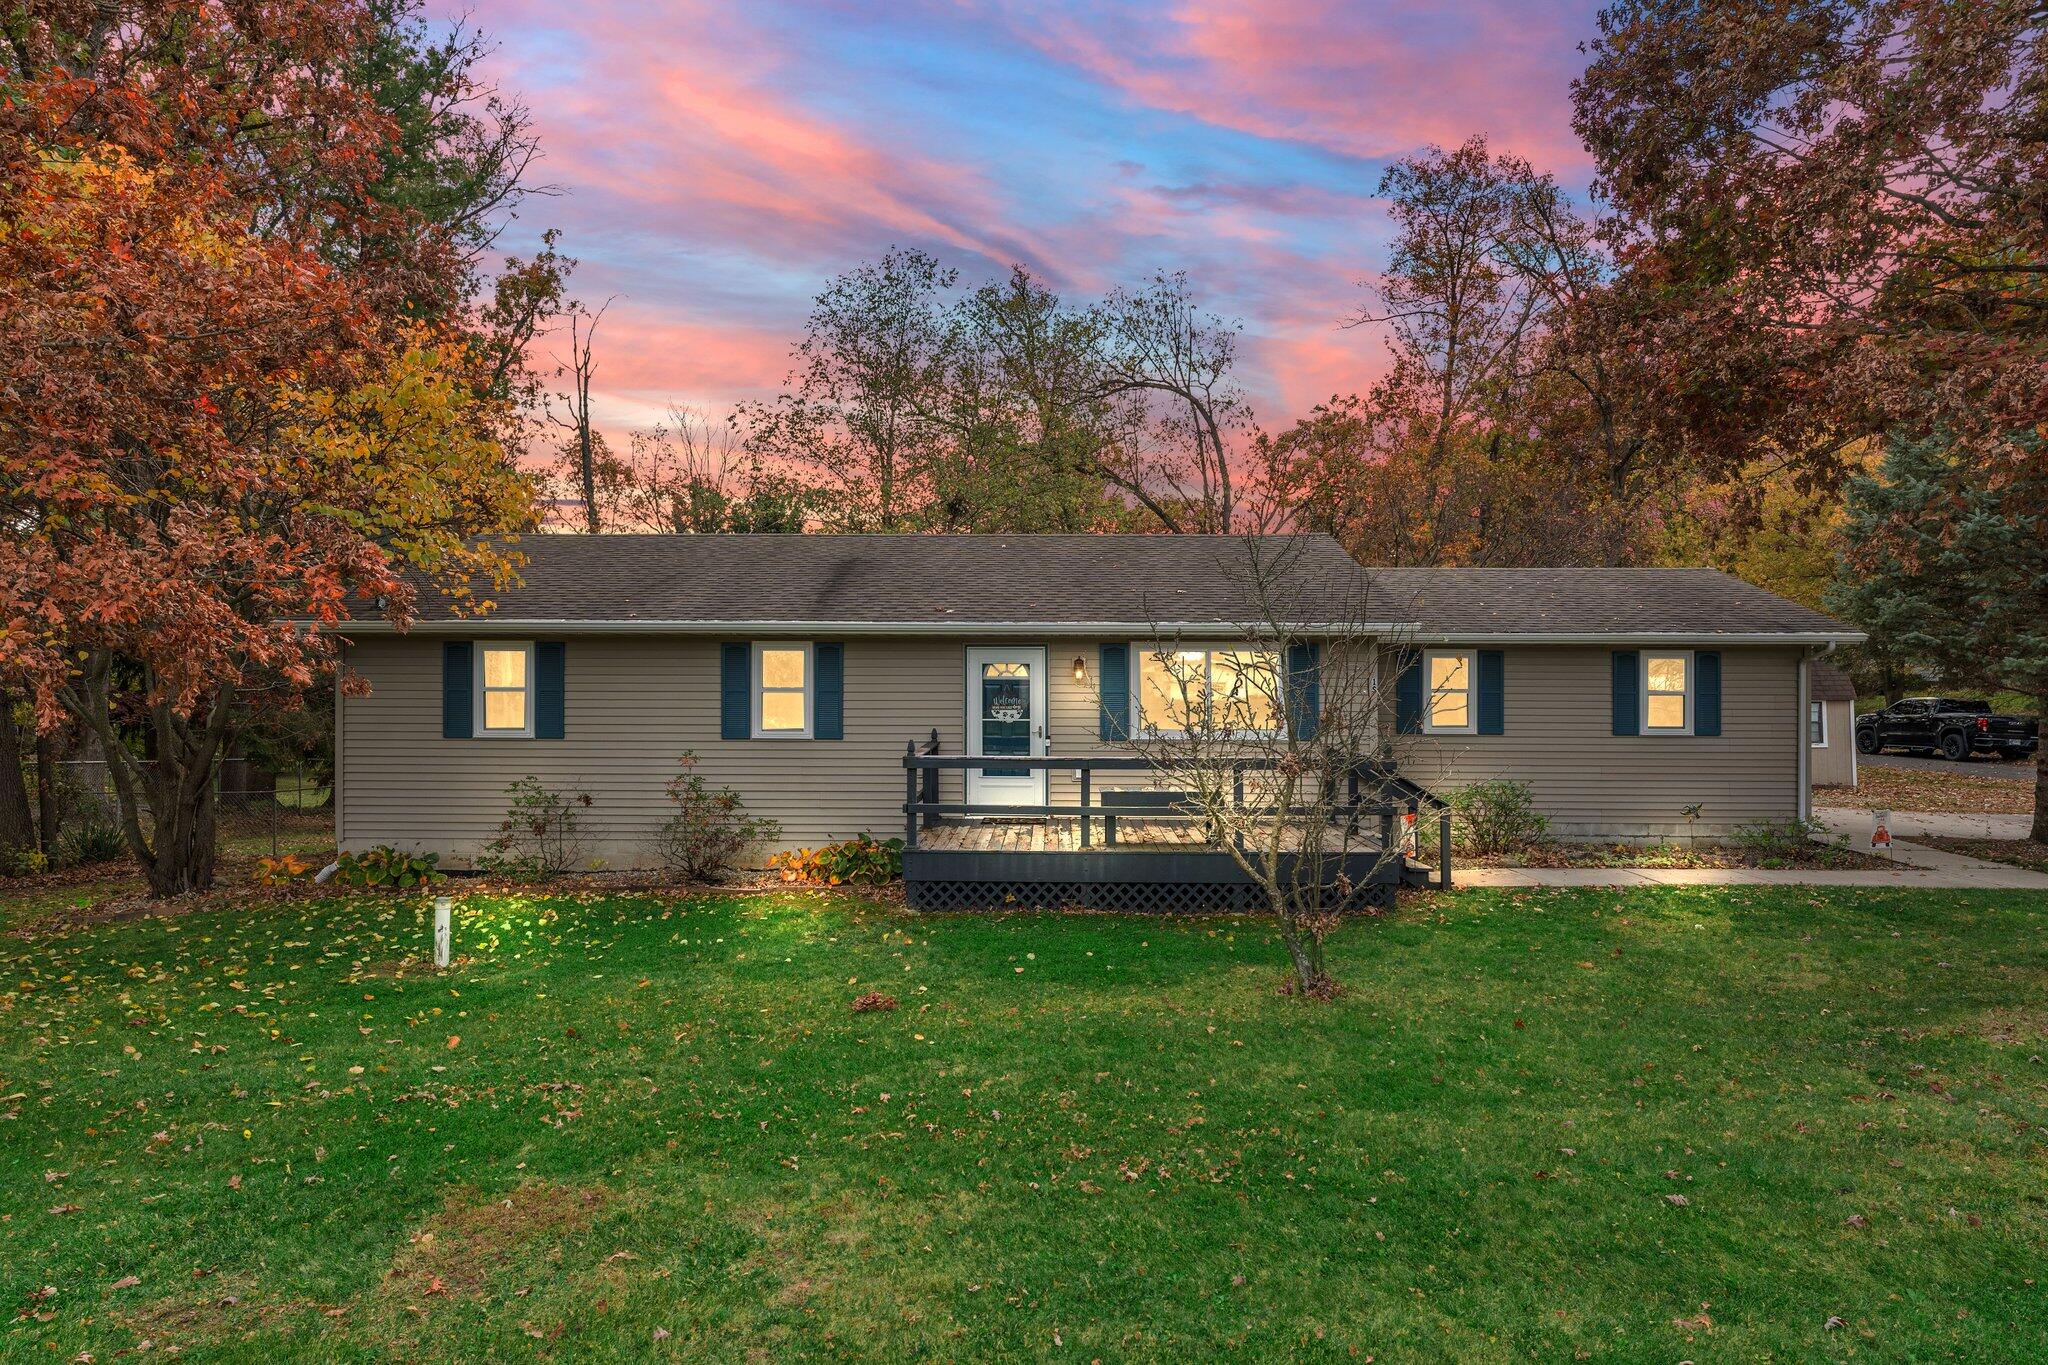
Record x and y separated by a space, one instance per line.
443 928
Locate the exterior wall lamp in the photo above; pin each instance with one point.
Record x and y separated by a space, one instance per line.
1080 669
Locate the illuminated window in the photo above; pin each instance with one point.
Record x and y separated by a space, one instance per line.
1228 690
1451 708
782 691
504 689
1667 694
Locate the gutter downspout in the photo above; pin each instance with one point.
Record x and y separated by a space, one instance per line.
340 746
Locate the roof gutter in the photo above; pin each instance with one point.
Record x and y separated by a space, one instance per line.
1672 637
498 625
1407 632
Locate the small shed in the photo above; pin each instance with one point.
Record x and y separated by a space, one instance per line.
1831 726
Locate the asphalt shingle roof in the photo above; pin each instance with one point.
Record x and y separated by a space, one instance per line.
920 581
903 579
1830 683
1594 601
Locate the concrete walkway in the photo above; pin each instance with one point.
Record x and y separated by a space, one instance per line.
1979 876
1917 865
1906 824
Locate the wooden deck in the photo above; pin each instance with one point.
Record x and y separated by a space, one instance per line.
962 856
1134 834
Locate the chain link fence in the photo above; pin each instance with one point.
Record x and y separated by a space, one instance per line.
257 812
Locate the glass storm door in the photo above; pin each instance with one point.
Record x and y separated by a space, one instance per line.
1006 716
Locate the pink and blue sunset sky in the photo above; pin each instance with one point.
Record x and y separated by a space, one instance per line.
717 162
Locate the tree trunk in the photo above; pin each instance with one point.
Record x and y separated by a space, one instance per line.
2040 834
587 459
180 786
174 787
182 843
49 797
17 823
1312 979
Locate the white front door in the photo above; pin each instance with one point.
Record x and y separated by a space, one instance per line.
1006 716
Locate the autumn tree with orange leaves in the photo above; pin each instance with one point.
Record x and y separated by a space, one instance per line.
1839 210
249 391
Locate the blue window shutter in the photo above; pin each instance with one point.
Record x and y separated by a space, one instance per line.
735 682
1408 693
1706 697
1493 692
458 696
550 689
1113 676
1628 682
828 695
1304 689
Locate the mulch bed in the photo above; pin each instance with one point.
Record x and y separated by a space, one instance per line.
1670 856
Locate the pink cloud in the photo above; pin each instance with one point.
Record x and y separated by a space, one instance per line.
720 162
1366 80
683 115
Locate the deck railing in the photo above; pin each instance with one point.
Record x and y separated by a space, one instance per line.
922 764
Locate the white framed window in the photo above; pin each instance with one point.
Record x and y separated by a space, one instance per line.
1231 688
1668 692
784 685
1817 724
504 689
1452 704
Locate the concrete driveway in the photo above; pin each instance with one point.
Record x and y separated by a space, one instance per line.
1990 768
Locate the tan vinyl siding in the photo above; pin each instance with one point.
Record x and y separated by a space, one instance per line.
1834 764
634 704
1558 737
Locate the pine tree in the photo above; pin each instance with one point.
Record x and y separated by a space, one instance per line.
1946 560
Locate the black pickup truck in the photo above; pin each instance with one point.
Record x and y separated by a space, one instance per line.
1953 728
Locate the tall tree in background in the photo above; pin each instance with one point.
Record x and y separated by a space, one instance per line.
1765 527
854 408
583 449
1040 442
916 406
460 150
1509 427
688 475
1840 211
248 392
1160 349
1952 570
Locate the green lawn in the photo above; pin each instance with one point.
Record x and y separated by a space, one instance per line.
1656 1124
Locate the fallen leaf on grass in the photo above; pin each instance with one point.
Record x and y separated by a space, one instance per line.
126 1282
1680 1200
